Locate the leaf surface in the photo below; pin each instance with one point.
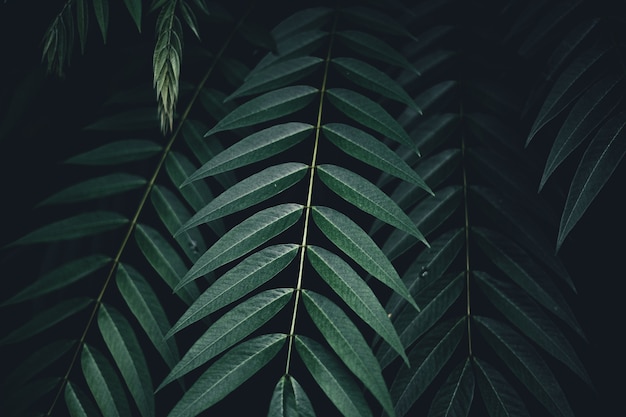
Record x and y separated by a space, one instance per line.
455 396
114 153
100 187
500 398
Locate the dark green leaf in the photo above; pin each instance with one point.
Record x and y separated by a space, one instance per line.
298 45
82 23
455 396
129 120
101 10
375 48
32 365
134 7
115 153
100 187
78 404
499 396
302 20
373 19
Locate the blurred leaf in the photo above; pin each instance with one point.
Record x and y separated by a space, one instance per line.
456 394
134 7
500 398
119 152
100 187
375 48
101 10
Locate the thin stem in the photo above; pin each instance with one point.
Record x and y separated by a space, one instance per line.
467 255
309 199
141 205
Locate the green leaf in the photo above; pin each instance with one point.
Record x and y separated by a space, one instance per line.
375 48
100 187
298 45
427 358
20 402
101 10
267 107
60 277
36 362
500 398
370 114
597 164
115 153
348 343
277 75
243 238
340 276
82 23
455 396
521 357
366 196
164 259
256 147
249 274
148 310
189 16
370 150
570 43
81 225
290 400
228 373
250 191
134 8
104 383
231 328
78 404
333 378
137 119
302 20
524 313
374 20
129 357
357 244
44 319
373 79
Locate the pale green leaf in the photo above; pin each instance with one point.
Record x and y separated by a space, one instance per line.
522 358
524 313
101 10
134 8
373 79
256 147
375 48
359 246
333 378
370 114
348 343
105 386
455 396
147 309
60 277
243 238
248 275
228 373
267 107
77 402
277 75
427 359
114 153
370 150
367 197
100 187
165 260
231 328
597 164
80 225
47 318
500 398
120 338
256 188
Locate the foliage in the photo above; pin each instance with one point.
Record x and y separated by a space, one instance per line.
342 217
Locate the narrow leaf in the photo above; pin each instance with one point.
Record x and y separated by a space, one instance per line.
290 400
500 398
136 119
100 187
77 402
104 383
228 373
129 357
299 44
134 8
333 378
267 107
230 329
101 10
82 23
243 238
455 396
249 274
366 196
36 362
115 153
374 20
302 20
375 48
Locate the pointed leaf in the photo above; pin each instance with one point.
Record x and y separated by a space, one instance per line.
366 196
375 48
298 45
115 153
228 373
370 114
569 44
500 398
101 10
137 119
145 306
455 396
427 358
370 150
249 274
597 164
82 23
348 343
78 404
60 277
333 378
256 147
256 188
134 8
374 20
129 357
521 357
283 402
104 383
304 19
243 238
38 361
44 319
357 244
81 225
267 107
100 187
